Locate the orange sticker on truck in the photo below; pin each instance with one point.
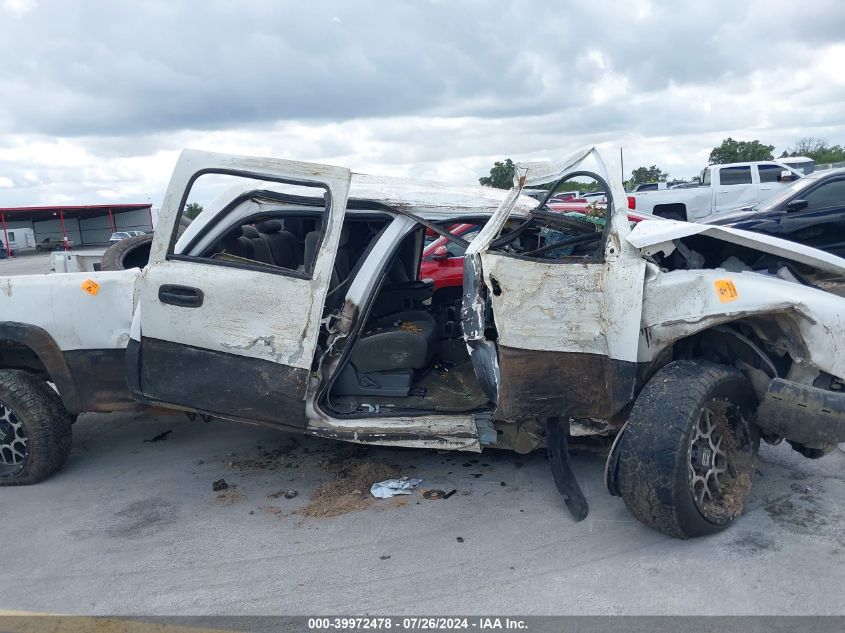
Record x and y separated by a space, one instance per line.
91 287
726 290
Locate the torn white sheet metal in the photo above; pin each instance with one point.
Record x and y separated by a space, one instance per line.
526 175
538 173
494 225
653 237
393 487
818 316
543 172
566 307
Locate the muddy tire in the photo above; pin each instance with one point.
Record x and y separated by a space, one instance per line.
35 429
686 458
134 252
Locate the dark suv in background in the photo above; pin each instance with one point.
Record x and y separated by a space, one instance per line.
810 211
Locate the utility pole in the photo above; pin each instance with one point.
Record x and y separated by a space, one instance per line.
622 166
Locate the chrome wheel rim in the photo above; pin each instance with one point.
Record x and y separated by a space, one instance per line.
14 450
720 461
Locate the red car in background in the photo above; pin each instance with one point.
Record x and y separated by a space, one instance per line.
443 261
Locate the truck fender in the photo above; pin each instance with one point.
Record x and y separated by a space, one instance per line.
47 350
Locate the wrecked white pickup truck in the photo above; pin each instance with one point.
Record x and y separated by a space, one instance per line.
293 300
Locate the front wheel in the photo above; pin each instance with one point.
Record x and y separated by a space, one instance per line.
35 429
686 457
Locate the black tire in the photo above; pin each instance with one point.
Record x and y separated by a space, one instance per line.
134 252
669 442
35 429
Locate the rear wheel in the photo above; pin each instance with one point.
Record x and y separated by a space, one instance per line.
686 458
35 429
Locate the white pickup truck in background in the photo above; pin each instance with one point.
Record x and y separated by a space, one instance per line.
723 187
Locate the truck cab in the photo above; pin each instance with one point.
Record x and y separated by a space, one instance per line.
744 184
722 187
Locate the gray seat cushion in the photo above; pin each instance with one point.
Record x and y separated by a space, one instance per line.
284 248
406 340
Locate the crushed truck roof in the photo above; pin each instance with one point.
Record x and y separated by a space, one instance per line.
428 199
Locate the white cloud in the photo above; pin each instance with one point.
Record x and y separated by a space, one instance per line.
99 97
19 7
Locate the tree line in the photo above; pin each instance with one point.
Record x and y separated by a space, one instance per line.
729 151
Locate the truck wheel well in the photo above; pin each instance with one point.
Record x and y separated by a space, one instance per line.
732 342
677 211
752 346
15 355
31 348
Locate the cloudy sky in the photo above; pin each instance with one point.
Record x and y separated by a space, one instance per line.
98 97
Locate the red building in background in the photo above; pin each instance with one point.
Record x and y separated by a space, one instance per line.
86 225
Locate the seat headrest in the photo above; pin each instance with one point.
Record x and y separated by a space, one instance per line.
250 231
269 226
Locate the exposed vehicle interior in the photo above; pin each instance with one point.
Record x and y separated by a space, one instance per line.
407 354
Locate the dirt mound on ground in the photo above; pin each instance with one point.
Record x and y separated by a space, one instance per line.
272 460
350 490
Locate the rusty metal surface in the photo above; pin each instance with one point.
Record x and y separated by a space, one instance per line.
546 384
801 413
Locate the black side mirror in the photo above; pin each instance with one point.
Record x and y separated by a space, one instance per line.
797 205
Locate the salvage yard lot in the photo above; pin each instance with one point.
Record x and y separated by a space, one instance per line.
25 264
132 526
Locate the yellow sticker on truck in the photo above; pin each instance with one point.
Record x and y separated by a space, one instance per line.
726 290
91 287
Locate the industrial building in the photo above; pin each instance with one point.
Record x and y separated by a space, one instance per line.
86 225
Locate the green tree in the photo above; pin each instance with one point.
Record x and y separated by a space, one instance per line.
731 151
193 209
501 175
818 149
647 174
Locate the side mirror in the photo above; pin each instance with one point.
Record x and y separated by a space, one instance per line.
440 253
797 205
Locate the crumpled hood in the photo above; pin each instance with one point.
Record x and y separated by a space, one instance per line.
651 237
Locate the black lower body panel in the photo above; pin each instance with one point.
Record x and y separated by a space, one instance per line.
100 379
221 383
562 384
